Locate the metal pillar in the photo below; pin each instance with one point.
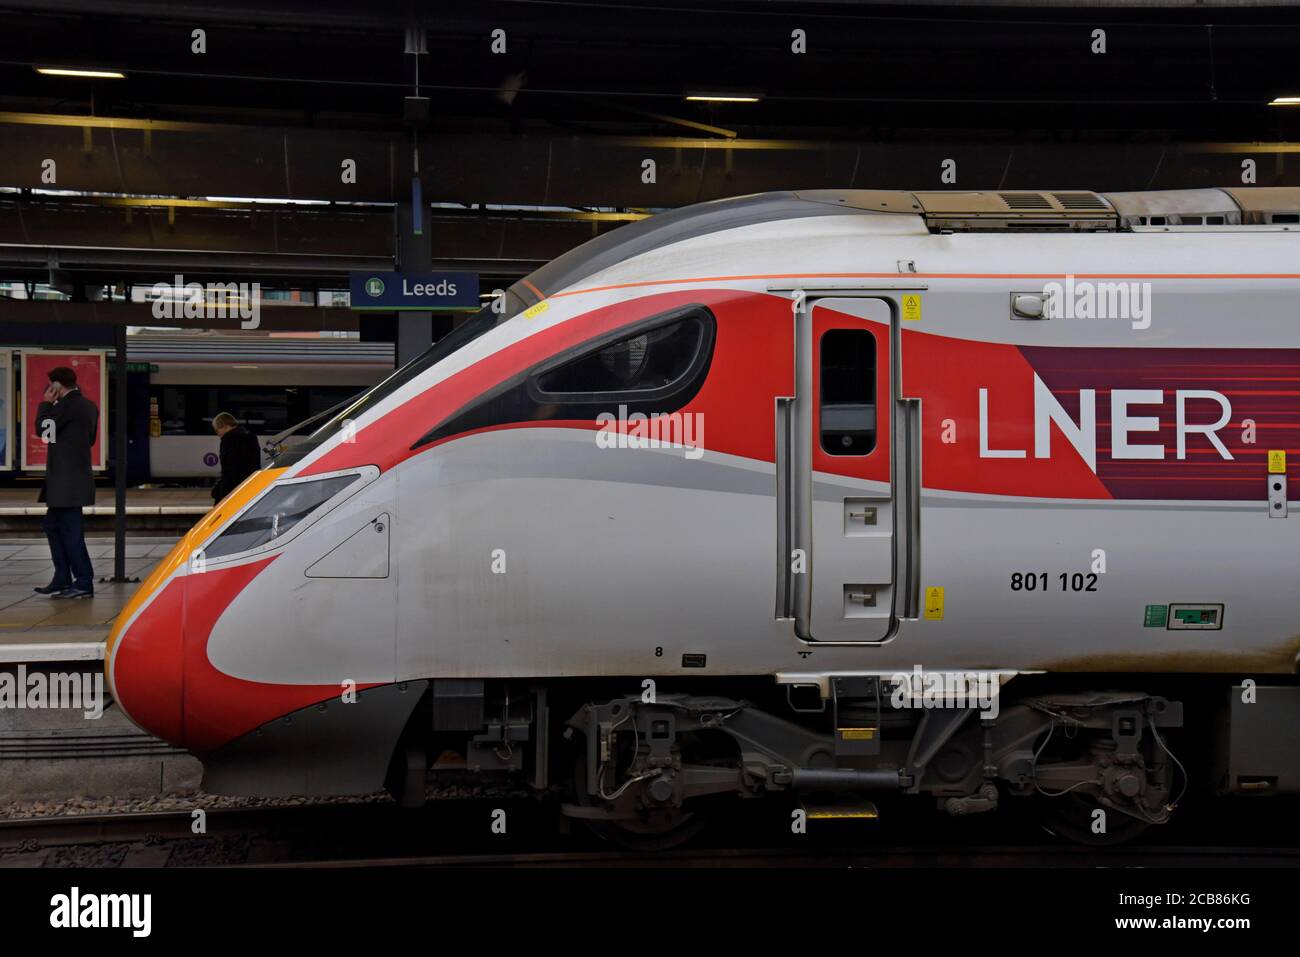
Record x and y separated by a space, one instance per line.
414 254
119 472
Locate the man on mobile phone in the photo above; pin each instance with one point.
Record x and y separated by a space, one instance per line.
68 422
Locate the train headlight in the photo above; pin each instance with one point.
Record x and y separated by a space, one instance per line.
275 513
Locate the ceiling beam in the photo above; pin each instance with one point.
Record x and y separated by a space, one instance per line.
584 170
108 239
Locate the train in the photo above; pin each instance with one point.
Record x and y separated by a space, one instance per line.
975 497
277 386
270 384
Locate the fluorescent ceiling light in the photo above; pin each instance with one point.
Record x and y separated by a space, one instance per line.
722 98
69 71
1286 101
263 199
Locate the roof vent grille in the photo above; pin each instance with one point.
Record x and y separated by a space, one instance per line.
1025 201
1080 201
1021 210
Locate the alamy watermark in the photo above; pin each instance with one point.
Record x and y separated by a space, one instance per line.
214 300
946 689
75 909
1085 299
658 430
76 690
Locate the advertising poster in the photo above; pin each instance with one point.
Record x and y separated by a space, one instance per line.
92 379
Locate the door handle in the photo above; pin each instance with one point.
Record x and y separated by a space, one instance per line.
785 505
911 536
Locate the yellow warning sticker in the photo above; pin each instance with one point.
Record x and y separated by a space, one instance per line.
912 307
1277 461
857 734
538 309
934 603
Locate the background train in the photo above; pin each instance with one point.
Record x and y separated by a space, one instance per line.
178 382
269 384
980 497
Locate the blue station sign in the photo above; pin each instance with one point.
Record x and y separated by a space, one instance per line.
413 291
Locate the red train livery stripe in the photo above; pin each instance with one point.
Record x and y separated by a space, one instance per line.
753 363
948 374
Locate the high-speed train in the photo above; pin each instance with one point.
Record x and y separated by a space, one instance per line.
976 496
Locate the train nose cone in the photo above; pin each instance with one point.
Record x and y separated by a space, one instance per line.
145 673
144 652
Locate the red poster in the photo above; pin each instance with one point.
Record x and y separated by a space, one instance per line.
90 368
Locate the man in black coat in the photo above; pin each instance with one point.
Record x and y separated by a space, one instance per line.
241 456
68 423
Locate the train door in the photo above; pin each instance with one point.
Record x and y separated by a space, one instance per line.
847 529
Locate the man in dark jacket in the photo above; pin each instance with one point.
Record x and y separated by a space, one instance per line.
241 456
68 423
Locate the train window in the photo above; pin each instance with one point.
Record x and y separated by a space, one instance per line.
283 507
189 409
848 392
655 366
262 411
171 410
650 361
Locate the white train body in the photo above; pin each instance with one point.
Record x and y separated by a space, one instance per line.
1058 452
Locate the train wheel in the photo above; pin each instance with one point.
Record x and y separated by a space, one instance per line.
1074 817
656 833
650 829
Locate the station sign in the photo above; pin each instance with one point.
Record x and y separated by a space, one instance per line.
413 291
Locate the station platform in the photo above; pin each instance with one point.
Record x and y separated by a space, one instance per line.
159 510
139 501
55 754
35 628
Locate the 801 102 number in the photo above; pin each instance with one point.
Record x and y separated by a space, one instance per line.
1067 581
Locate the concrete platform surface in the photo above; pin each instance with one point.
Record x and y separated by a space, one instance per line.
37 628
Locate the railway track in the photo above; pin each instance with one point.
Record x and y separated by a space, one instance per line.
442 836
130 826
886 857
